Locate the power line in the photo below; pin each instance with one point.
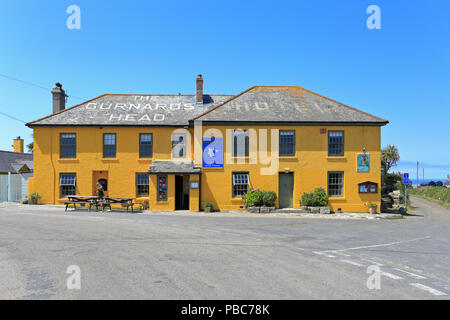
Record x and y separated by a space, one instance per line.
12 117
36 85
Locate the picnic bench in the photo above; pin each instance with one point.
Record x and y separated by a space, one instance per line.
81 200
103 202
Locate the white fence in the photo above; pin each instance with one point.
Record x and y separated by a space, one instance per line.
14 187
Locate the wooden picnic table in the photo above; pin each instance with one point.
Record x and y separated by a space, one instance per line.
98 201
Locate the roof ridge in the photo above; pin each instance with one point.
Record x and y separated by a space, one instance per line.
294 86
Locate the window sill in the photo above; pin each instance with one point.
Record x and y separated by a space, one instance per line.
336 198
68 160
337 158
288 158
237 199
109 159
145 159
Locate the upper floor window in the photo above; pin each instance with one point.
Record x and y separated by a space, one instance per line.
240 143
145 145
142 184
335 184
67 184
287 143
179 145
68 145
335 143
109 145
240 184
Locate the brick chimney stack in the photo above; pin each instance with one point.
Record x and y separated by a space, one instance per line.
18 145
199 98
59 98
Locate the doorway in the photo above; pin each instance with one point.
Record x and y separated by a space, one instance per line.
181 192
285 189
102 178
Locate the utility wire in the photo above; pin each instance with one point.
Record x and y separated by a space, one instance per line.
11 117
36 85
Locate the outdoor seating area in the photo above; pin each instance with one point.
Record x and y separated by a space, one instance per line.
98 202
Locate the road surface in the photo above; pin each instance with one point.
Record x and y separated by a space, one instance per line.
137 256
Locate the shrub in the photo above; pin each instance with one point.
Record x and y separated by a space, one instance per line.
209 204
269 198
307 199
320 197
256 198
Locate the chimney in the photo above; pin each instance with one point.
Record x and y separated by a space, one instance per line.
18 145
199 98
59 98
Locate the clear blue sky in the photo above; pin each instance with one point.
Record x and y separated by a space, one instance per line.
400 73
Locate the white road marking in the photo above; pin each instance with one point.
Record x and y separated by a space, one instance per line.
390 275
372 262
380 245
352 262
411 274
429 289
324 254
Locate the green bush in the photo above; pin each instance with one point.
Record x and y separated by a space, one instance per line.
307 199
256 198
269 198
253 198
320 197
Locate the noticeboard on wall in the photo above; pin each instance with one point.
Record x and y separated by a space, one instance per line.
195 185
363 162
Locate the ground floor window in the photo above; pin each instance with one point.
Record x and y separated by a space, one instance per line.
335 184
162 188
240 184
142 184
67 184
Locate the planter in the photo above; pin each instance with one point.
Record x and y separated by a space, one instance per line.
262 209
373 210
208 209
322 210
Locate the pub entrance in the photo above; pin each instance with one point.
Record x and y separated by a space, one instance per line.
181 192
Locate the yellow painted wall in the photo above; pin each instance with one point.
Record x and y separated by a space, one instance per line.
309 165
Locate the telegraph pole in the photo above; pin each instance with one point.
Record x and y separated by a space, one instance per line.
423 176
417 181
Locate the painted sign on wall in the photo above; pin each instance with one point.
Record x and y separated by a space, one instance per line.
363 162
212 152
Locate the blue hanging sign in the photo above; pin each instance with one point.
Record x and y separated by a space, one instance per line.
363 162
212 152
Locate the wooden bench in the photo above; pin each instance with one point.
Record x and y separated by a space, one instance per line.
67 203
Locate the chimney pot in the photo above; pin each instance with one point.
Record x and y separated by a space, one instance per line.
59 98
199 95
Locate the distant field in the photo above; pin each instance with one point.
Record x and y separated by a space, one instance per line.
439 194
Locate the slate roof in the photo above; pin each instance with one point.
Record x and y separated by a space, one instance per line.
132 110
280 104
182 167
14 161
285 104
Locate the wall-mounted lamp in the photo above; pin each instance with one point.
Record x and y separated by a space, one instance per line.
364 149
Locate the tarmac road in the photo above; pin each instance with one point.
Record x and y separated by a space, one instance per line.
157 256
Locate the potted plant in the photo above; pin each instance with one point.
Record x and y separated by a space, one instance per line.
34 197
209 207
145 204
372 208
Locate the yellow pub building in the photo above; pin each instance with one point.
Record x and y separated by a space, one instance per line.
181 152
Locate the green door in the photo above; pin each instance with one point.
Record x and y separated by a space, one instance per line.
285 189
